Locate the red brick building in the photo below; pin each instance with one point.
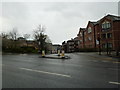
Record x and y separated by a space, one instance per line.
107 29
81 38
89 36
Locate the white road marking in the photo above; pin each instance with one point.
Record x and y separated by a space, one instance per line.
115 83
46 72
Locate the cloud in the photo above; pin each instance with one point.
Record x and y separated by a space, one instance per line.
62 19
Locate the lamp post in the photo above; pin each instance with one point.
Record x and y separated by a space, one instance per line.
99 39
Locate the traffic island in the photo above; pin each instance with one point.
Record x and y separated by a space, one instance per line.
54 57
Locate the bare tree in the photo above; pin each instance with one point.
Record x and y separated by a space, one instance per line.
4 35
48 40
13 34
26 36
40 37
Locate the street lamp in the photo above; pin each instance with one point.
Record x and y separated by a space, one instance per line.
99 39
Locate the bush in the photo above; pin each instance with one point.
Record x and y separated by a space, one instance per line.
20 50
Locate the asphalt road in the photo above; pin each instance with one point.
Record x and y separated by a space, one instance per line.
81 71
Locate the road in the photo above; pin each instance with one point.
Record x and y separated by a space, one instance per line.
81 71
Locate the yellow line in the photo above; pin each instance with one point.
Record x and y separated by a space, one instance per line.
47 72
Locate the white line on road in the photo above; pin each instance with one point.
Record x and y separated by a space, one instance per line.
115 83
46 72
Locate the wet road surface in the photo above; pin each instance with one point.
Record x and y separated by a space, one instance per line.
81 71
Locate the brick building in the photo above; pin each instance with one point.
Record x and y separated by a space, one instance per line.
89 35
70 45
107 29
81 38
109 32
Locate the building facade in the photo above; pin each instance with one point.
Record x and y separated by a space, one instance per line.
107 29
81 38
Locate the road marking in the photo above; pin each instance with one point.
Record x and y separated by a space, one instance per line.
115 83
46 72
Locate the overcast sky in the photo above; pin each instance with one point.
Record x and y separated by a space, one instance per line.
61 19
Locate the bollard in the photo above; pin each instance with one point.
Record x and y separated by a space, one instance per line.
63 55
58 52
43 53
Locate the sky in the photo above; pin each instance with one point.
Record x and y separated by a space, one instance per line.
61 20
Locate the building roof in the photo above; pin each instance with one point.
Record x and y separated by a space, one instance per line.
94 23
72 40
82 29
113 17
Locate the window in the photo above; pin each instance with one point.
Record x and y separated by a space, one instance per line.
105 25
80 34
109 35
89 30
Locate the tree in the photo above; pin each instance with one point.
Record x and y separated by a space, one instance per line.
40 37
26 36
13 34
4 35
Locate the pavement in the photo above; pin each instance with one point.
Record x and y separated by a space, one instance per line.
83 70
103 56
